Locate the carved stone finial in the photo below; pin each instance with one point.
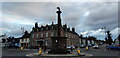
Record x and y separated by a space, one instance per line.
58 8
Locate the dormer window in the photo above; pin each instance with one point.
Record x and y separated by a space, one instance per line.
41 34
37 29
66 35
65 29
47 34
42 29
52 27
37 35
52 34
46 28
32 35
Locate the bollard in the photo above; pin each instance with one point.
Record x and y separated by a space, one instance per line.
78 51
87 48
40 51
21 48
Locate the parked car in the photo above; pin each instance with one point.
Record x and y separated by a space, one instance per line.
96 47
69 47
100 43
82 46
113 47
89 45
93 44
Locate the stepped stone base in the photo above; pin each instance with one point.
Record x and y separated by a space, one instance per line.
58 45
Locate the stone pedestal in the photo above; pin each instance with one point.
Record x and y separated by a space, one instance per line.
58 45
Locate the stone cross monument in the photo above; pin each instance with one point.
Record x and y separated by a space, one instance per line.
59 22
59 42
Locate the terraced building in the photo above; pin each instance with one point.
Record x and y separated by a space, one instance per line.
41 35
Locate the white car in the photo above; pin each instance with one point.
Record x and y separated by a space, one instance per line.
96 47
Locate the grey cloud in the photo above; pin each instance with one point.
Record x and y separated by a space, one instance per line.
118 14
101 14
14 29
32 10
104 16
71 19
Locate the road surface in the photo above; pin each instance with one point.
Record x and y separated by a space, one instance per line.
102 52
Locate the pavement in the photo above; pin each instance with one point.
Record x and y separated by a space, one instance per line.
46 54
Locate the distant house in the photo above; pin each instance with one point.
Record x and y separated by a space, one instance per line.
91 40
12 42
87 41
25 40
117 40
3 40
82 40
16 42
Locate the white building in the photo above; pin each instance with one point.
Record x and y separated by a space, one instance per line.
3 44
25 40
117 40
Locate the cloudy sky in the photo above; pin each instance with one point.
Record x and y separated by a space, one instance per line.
87 17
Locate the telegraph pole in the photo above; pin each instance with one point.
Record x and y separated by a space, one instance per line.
22 30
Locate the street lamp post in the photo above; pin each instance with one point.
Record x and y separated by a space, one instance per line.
105 34
22 30
22 34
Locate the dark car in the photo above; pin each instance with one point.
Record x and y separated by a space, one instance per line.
12 46
89 45
93 44
113 47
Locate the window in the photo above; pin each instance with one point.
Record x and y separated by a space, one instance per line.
47 34
42 29
72 36
24 40
37 29
65 35
46 28
69 35
32 44
20 40
80 40
52 34
35 43
46 43
56 34
92 41
32 35
28 40
41 34
52 27
37 35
